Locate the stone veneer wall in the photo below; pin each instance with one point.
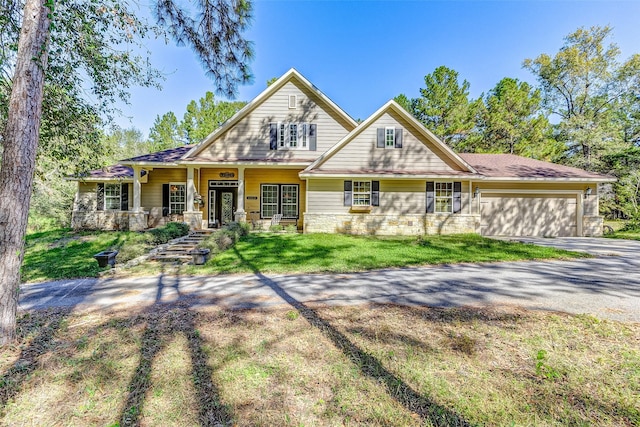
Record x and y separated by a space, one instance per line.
100 220
592 226
391 224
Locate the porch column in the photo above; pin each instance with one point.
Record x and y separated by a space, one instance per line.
192 216
137 218
191 188
137 188
241 215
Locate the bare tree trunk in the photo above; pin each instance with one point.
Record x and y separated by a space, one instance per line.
19 156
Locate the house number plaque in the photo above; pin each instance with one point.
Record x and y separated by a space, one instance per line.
227 174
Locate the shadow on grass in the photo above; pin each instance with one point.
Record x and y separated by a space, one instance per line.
426 408
44 326
163 320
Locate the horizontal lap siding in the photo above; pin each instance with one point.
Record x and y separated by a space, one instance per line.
86 197
152 191
361 153
249 139
397 197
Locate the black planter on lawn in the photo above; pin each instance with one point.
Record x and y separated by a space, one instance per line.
200 256
106 257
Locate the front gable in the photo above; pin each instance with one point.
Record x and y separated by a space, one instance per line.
390 142
291 103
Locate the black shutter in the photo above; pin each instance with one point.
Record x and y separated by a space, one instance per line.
273 136
124 197
100 197
431 197
457 197
398 138
348 193
380 143
312 137
375 193
165 199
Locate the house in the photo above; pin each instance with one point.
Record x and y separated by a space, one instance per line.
294 153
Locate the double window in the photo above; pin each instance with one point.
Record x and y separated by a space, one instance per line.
112 196
279 199
177 197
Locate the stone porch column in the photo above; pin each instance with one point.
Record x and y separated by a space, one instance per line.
241 215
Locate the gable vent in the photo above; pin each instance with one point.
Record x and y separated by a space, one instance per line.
293 101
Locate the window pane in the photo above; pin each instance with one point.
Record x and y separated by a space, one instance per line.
177 198
361 193
293 135
444 197
289 201
282 132
112 196
269 200
390 137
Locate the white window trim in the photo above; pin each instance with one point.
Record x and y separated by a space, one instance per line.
284 136
270 204
282 203
293 101
436 197
353 192
393 139
185 196
279 203
119 197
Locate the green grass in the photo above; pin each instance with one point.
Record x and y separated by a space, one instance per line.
327 366
311 253
63 253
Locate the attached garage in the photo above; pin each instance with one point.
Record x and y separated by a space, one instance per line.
516 214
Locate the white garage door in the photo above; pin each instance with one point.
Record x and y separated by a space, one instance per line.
524 215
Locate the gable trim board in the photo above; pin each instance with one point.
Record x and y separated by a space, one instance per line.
292 74
417 126
390 149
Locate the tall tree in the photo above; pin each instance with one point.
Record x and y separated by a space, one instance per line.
513 122
444 106
206 115
165 132
95 55
585 84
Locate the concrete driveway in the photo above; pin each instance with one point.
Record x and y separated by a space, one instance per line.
607 286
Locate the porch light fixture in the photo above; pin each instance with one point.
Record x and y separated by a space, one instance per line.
588 191
476 193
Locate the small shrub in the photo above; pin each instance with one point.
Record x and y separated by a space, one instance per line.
291 228
292 314
171 231
275 228
239 228
225 239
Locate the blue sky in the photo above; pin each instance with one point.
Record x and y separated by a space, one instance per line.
363 53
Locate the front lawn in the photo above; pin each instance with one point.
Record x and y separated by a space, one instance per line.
326 366
63 253
313 253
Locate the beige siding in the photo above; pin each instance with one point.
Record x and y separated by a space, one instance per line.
85 197
397 197
361 154
249 139
151 193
